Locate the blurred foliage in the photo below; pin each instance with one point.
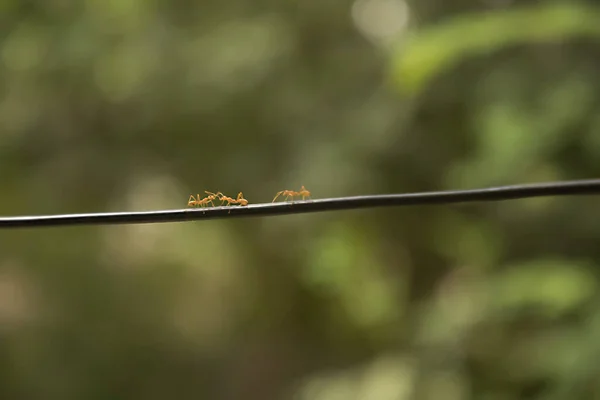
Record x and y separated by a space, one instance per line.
437 48
133 105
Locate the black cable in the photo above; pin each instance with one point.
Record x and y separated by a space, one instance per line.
581 187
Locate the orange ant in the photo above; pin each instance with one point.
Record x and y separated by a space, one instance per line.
193 201
239 200
286 193
303 192
290 193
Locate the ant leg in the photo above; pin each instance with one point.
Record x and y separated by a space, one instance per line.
191 201
278 194
211 202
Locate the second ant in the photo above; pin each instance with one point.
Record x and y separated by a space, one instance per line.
291 194
229 200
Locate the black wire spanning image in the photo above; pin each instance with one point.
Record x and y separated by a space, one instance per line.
566 188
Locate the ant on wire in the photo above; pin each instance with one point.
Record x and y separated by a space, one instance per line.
239 200
198 201
290 193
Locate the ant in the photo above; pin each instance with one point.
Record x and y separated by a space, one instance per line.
290 193
303 192
239 200
193 201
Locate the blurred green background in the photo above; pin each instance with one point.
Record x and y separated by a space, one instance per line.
116 105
